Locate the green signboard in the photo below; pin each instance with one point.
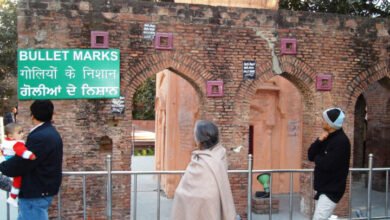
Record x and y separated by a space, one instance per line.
68 73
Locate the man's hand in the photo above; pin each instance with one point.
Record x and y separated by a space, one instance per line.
323 136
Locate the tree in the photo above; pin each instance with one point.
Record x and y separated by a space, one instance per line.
143 101
8 37
372 8
8 47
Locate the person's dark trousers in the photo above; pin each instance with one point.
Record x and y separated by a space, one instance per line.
5 183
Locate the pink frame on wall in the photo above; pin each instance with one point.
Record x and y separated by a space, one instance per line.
95 42
324 82
214 88
157 41
288 46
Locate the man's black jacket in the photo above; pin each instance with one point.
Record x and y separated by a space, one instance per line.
331 158
40 177
9 117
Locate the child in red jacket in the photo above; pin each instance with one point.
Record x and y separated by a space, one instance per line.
14 145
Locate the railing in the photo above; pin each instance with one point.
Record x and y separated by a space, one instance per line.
249 172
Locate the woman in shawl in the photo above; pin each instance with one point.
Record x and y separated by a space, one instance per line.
204 191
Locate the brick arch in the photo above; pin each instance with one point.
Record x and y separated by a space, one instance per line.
298 73
184 66
302 76
362 81
387 116
294 70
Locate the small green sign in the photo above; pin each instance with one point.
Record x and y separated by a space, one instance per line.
68 73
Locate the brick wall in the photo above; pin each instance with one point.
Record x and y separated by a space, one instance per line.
359 152
144 125
378 129
209 43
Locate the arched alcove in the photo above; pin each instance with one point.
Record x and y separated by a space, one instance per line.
360 133
276 117
179 102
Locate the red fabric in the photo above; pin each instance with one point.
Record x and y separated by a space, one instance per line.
19 149
17 183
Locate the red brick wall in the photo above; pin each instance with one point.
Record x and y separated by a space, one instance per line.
378 129
209 43
144 125
359 155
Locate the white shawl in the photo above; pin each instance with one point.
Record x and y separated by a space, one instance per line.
204 191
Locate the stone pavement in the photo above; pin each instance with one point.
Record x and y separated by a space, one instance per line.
147 199
3 208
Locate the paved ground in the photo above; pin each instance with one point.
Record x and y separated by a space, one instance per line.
3 208
359 200
147 194
147 199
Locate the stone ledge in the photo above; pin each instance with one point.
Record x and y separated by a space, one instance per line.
261 205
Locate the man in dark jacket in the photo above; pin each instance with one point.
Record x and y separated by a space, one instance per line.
10 116
331 153
41 178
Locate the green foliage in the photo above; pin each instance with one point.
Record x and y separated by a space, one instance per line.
370 8
137 153
8 37
8 47
144 152
143 101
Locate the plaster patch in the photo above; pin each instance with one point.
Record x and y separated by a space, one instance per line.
275 61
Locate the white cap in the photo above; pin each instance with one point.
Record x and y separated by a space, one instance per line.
334 117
